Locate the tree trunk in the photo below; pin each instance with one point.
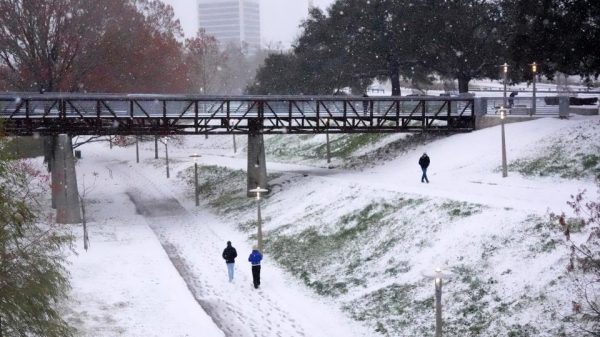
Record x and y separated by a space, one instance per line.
463 84
395 79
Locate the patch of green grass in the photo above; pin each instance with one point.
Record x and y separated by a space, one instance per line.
222 188
558 160
308 254
389 309
545 232
475 314
248 226
458 209
590 161
305 146
346 145
391 150
518 330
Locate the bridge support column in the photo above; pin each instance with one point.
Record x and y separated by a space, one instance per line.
257 165
563 107
65 196
48 142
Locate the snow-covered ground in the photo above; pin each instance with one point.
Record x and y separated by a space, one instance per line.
160 273
154 267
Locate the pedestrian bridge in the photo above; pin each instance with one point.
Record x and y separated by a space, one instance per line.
60 116
137 114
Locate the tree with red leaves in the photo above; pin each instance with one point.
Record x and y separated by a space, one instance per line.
103 46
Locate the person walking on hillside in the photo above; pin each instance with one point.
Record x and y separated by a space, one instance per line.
424 163
229 254
255 258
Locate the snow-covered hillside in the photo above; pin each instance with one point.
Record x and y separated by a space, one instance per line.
349 250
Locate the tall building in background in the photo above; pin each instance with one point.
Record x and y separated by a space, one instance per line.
232 21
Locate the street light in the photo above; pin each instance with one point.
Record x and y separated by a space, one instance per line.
505 74
326 122
438 302
258 190
165 141
155 146
137 149
533 103
195 156
504 168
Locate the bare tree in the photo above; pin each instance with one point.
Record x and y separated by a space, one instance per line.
205 62
584 260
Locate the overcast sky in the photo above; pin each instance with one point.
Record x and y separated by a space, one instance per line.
279 19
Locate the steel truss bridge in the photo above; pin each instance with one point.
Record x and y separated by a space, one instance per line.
94 114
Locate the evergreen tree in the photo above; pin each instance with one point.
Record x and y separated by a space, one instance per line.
460 39
277 76
33 279
380 37
531 30
324 54
559 35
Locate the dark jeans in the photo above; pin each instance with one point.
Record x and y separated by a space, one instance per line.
256 275
424 176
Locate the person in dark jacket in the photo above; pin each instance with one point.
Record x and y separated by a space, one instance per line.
511 99
424 163
229 254
255 258
366 104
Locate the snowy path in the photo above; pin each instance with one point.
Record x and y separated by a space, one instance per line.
125 285
194 242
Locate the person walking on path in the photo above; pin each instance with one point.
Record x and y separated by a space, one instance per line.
229 254
424 163
255 258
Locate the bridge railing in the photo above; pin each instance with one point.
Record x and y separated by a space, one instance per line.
223 114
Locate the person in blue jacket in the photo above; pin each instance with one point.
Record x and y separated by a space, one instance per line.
255 258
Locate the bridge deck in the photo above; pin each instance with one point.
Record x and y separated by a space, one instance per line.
92 114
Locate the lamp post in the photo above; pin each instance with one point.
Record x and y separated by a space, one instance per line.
195 156
327 139
438 303
505 74
234 145
533 103
137 149
504 168
155 147
165 140
259 235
